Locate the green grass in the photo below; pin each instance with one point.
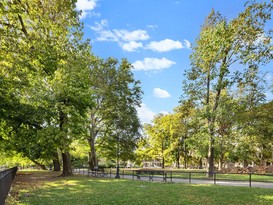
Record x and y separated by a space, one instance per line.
86 190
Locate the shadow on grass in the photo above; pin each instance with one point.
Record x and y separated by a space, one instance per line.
85 190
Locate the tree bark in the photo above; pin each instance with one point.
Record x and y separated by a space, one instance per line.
162 152
56 162
245 163
185 157
163 162
41 166
221 160
67 168
93 161
178 159
200 163
211 157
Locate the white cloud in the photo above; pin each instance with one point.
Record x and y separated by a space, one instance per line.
131 46
126 39
145 114
83 14
164 45
153 64
107 35
136 35
153 27
104 34
86 6
262 39
160 93
187 44
100 26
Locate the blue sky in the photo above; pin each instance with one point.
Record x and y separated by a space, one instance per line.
155 36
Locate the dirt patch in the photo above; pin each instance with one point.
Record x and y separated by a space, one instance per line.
27 181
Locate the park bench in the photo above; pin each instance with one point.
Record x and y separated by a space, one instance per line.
97 172
151 174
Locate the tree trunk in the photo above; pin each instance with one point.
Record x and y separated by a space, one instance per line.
200 163
93 161
178 159
245 163
56 162
185 157
162 153
67 168
185 162
41 166
211 158
222 153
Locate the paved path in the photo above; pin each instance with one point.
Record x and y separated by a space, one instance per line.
192 181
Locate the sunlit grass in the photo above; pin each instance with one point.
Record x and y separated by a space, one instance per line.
267 197
87 190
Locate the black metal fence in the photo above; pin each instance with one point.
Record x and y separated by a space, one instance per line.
6 179
196 177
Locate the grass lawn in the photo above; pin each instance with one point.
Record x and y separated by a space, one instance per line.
47 188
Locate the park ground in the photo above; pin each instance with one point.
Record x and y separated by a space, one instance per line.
45 187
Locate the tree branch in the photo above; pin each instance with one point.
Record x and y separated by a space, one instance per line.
23 26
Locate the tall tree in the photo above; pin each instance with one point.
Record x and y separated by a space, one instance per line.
185 128
260 132
45 66
159 138
220 44
114 117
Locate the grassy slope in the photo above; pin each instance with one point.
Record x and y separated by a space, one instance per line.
84 190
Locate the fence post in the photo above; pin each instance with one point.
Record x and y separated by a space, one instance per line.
249 179
214 178
110 173
164 176
123 173
171 176
133 174
190 177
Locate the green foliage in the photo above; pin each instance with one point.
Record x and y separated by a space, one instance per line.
169 137
55 93
44 73
113 121
11 159
221 43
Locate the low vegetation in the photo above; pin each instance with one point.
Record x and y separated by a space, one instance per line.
48 188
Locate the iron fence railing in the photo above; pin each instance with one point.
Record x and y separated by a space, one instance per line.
6 179
197 177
